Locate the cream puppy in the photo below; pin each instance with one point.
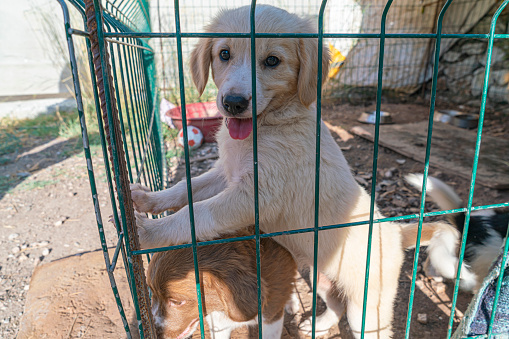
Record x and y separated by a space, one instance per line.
286 86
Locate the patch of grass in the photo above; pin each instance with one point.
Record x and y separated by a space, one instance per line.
174 153
31 185
16 134
169 133
6 182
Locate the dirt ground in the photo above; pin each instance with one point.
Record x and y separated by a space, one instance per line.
46 213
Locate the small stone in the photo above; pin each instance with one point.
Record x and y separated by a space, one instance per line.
400 161
500 77
58 223
13 236
76 243
451 56
497 55
390 172
22 258
422 318
26 288
43 243
498 93
478 82
473 48
45 251
15 250
460 69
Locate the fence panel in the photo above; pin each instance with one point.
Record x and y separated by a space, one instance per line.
126 95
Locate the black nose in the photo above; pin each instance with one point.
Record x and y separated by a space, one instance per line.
235 104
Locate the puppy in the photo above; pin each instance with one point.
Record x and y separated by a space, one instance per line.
286 87
486 233
229 288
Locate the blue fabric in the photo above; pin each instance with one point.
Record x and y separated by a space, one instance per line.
477 317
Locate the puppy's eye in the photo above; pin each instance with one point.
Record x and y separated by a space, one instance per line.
176 303
224 55
271 61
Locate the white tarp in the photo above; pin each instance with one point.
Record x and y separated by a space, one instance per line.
405 60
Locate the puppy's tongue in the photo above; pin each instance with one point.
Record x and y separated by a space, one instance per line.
239 128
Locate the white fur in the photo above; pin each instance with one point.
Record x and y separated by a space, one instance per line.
221 326
293 305
443 259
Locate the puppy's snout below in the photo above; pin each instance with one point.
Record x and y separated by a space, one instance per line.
235 104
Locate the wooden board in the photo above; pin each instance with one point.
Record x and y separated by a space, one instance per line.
452 149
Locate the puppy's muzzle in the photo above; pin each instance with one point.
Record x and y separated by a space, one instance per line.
235 104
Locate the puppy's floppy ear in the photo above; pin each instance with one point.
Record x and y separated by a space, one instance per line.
237 298
201 58
308 70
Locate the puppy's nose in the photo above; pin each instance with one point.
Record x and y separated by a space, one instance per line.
235 104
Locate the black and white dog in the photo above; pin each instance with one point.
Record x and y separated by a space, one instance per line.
485 237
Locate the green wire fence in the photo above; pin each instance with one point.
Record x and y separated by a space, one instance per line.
123 75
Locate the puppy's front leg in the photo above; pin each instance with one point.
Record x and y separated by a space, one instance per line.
224 213
174 198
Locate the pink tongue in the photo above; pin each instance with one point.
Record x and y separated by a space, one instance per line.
240 128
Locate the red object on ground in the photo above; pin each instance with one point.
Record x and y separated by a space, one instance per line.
203 115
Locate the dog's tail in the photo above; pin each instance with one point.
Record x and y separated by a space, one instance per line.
441 193
409 233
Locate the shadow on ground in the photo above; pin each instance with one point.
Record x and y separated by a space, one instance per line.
30 145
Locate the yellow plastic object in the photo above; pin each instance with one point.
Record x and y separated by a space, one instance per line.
337 60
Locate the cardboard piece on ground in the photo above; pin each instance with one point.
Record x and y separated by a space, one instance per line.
72 298
452 149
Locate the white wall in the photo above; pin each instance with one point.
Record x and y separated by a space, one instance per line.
31 59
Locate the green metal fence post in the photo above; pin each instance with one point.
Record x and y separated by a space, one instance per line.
188 170
252 17
127 213
317 163
426 161
375 161
474 172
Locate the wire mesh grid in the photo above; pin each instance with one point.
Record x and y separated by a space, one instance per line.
130 95
407 61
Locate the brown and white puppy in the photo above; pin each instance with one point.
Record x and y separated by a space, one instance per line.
228 285
286 86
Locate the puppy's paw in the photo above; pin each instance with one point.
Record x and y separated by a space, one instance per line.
323 323
293 305
147 229
142 200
